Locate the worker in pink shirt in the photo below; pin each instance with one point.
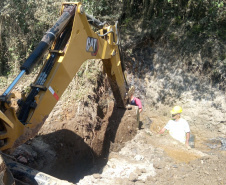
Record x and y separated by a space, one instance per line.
137 102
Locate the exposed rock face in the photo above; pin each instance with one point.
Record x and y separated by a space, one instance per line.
163 79
73 133
165 71
203 105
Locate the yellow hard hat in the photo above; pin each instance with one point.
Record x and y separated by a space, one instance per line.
176 110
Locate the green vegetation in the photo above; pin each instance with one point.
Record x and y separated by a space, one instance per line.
24 22
97 7
208 14
88 75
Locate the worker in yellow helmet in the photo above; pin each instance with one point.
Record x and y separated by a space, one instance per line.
177 126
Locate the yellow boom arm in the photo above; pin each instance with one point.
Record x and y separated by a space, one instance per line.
70 43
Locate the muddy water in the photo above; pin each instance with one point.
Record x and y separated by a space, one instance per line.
181 156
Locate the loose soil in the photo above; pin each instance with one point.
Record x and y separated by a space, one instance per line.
88 140
62 150
91 141
122 152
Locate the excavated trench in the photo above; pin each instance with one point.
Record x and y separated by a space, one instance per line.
80 135
71 142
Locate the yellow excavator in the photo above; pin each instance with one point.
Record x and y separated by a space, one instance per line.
69 43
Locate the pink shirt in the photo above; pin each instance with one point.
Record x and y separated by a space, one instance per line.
136 102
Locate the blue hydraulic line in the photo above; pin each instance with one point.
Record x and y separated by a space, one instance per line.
13 84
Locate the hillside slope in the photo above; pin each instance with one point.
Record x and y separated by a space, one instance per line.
170 59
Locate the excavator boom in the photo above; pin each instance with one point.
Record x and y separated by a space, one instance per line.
69 43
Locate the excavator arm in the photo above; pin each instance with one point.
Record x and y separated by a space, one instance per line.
69 43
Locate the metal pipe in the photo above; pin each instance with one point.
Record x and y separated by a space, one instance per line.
117 33
13 84
105 33
94 22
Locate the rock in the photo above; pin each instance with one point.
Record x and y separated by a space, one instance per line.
222 128
22 159
139 183
149 178
133 177
139 157
138 171
143 170
158 165
97 176
126 182
121 181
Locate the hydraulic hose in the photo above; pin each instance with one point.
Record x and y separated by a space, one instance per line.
94 22
48 39
26 106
